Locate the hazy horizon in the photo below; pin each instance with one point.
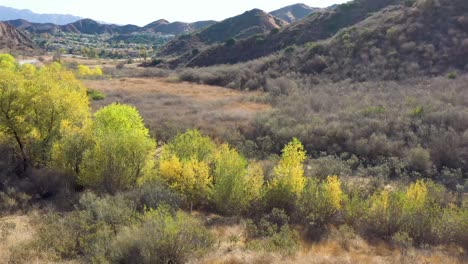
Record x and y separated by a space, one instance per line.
142 13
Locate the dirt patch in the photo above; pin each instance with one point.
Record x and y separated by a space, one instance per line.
177 106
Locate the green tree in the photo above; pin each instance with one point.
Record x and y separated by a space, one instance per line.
121 152
288 177
236 184
192 144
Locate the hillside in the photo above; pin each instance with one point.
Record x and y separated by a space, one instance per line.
318 26
14 40
294 13
8 13
239 27
430 38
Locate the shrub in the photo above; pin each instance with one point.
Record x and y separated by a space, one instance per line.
121 150
237 185
320 202
151 195
162 238
114 211
96 95
452 75
272 233
74 236
288 180
419 160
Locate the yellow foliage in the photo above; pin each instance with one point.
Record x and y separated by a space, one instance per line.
96 71
83 71
190 178
255 180
416 195
289 172
35 103
333 191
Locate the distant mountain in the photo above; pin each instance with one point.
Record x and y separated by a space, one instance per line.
243 26
294 13
89 26
14 40
8 13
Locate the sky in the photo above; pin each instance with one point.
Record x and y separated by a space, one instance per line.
142 12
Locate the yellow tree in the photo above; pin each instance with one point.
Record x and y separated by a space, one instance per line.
190 178
288 177
35 104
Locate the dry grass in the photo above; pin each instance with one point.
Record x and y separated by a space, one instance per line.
177 106
337 248
229 248
15 230
16 233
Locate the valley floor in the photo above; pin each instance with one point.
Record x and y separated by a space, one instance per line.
181 105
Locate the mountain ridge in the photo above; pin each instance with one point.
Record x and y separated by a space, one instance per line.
9 13
293 13
89 26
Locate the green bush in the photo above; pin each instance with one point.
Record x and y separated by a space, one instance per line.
96 95
162 238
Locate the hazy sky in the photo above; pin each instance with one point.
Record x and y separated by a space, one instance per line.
142 12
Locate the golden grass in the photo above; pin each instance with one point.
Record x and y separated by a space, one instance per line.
167 105
332 250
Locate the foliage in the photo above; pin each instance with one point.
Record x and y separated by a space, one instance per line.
288 176
236 185
190 178
151 195
74 236
96 95
272 233
320 202
84 71
121 152
162 238
34 107
191 144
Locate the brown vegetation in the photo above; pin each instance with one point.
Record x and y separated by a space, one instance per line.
169 107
